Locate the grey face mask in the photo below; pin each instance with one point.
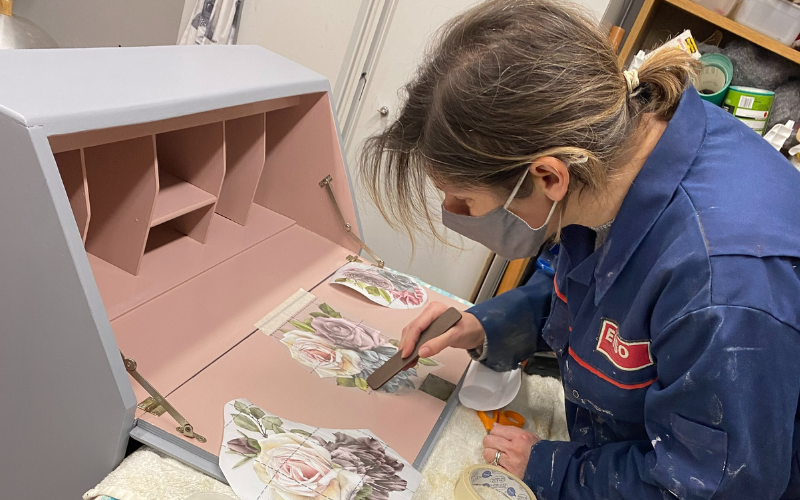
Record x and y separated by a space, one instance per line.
501 230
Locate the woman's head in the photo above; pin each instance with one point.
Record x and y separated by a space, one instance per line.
512 85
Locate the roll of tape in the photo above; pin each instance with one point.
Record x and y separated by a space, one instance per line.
489 476
714 79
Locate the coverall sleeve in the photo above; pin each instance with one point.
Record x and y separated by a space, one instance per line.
513 320
719 418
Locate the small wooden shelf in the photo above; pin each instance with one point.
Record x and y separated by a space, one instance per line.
177 197
660 19
737 29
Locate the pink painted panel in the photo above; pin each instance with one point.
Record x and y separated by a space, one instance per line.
188 327
123 183
73 175
261 370
172 259
245 147
303 148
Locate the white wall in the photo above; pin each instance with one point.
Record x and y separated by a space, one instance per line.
105 23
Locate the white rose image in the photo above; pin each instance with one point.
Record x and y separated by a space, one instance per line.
326 359
299 469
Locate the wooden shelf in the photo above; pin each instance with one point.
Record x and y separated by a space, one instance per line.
177 197
737 29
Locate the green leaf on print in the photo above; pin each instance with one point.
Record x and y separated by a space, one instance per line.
394 342
257 412
361 383
373 290
242 462
245 423
302 326
301 432
319 315
241 407
427 362
271 420
340 280
278 430
345 381
364 493
360 285
327 309
385 295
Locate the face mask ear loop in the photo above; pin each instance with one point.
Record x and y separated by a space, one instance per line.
516 189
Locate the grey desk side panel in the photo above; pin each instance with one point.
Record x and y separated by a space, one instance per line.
66 398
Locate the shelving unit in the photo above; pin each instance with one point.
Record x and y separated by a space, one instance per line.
192 162
176 198
660 19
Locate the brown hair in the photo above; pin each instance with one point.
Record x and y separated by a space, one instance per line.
507 82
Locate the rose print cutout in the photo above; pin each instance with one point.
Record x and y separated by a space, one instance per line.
382 286
334 346
266 458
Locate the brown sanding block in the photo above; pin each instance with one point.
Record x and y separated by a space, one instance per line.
396 363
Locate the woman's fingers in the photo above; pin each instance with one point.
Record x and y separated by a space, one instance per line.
496 442
411 332
489 454
515 447
435 346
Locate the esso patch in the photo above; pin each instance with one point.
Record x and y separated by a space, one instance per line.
626 356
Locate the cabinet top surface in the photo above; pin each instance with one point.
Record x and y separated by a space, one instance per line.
71 90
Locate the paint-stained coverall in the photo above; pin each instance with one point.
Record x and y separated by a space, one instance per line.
678 339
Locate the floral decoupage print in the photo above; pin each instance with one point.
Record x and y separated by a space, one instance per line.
382 286
266 458
336 346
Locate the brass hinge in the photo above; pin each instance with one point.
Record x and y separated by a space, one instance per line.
326 183
184 427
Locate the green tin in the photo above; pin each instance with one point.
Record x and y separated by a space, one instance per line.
750 105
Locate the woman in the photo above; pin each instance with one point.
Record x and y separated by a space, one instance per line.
675 309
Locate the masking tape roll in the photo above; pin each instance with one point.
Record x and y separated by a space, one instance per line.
490 476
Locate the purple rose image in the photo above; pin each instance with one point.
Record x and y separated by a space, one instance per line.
368 277
366 455
346 334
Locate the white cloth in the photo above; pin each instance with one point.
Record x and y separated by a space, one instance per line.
212 22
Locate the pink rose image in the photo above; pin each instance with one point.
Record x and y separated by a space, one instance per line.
414 298
298 469
348 335
326 359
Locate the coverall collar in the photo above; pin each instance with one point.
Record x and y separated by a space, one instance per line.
652 189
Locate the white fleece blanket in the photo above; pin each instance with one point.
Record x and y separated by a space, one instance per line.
149 475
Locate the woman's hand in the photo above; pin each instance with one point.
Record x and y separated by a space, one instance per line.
514 445
468 333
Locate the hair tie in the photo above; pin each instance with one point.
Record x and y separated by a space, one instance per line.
632 79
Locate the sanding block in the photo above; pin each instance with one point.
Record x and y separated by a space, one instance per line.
396 363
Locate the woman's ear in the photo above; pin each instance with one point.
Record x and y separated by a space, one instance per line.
550 176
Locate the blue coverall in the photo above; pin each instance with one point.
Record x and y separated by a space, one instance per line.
678 339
